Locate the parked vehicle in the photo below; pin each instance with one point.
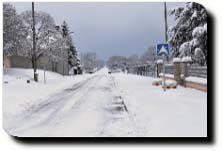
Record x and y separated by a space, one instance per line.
115 71
91 71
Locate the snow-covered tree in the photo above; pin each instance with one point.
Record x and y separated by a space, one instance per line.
73 56
149 55
45 32
73 59
133 60
199 42
14 32
89 61
55 48
100 63
117 62
189 32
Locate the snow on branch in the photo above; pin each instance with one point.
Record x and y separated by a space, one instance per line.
198 31
185 49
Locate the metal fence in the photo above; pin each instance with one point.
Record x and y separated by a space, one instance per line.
144 70
169 68
151 70
197 71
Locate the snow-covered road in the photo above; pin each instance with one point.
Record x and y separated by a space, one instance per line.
91 107
114 105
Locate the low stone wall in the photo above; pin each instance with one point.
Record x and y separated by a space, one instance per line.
194 85
17 62
189 84
43 62
183 71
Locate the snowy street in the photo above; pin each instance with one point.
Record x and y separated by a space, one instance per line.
89 71
103 104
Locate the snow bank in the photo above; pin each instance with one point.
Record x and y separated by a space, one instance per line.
196 80
167 75
19 95
170 83
176 112
27 74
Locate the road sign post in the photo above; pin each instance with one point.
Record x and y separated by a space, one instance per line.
163 50
164 79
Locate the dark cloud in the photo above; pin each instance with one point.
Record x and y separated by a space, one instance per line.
109 28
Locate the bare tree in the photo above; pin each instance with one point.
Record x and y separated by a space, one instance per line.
133 60
89 61
117 62
149 55
43 23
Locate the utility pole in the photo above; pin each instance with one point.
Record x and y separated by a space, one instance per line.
63 63
34 43
166 39
166 26
165 21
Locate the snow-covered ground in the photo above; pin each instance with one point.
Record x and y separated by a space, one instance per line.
197 80
100 104
18 95
176 112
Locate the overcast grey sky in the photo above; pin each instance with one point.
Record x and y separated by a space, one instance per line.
109 28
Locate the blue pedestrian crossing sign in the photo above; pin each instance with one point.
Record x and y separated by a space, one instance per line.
162 49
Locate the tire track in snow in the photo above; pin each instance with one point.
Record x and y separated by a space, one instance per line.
120 122
50 107
138 129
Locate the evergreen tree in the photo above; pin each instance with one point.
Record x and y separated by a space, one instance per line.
72 56
65 29
188 37
72 52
